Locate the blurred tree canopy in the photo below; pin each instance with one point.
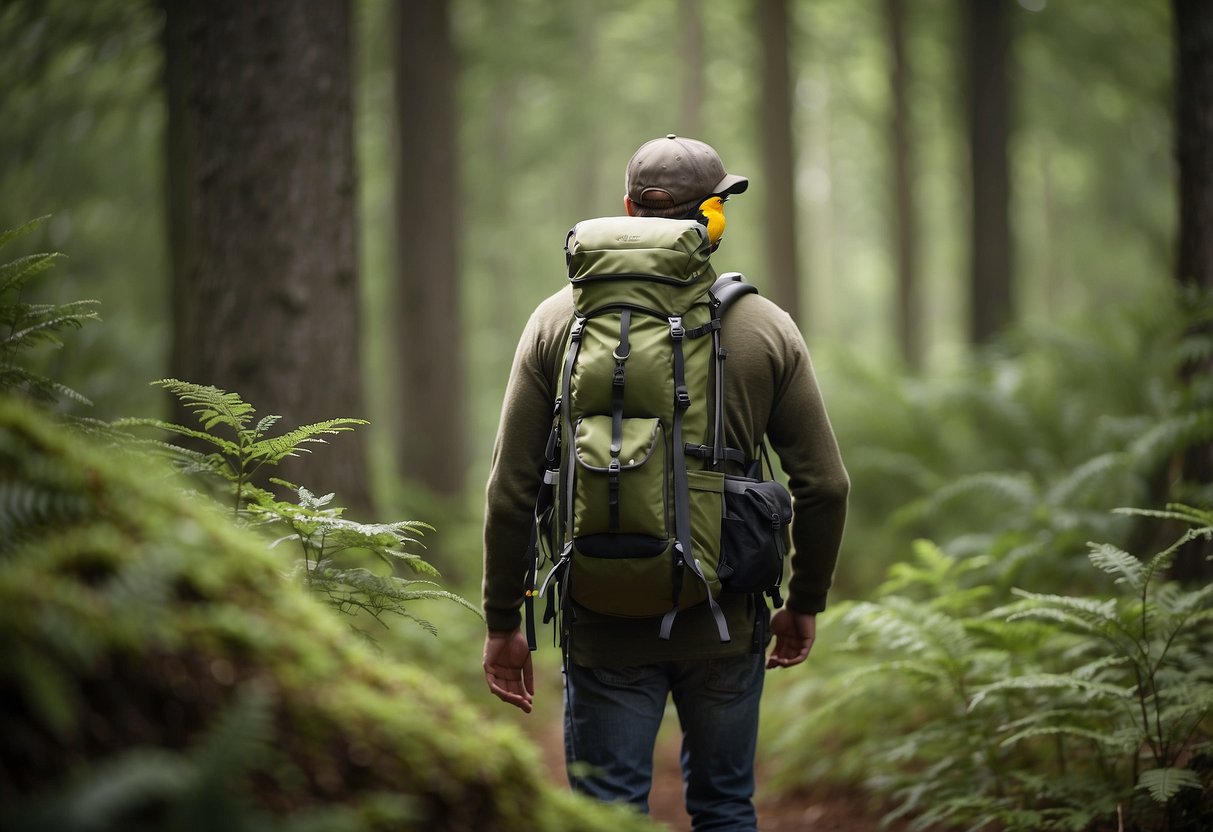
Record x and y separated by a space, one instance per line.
553 98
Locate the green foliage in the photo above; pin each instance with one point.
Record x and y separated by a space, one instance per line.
240 445
33 324
324 536
160 673
1019 455
1051 712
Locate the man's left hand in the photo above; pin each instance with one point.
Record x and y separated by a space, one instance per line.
507 668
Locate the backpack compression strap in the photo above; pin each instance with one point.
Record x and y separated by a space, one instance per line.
682 504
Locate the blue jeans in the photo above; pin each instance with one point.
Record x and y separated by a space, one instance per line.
611 717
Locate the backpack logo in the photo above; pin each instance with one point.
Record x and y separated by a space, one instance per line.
628 238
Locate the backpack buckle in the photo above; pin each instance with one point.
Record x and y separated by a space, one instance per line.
682 397
676 330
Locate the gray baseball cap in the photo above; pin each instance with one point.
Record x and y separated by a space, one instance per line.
674 170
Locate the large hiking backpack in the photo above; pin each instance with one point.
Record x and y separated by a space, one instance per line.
631 511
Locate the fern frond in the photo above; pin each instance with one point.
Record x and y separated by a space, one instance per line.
211 405
225 446
18 272
276 448
1097 737
1174 511
44 331
1052 681
11 234
1116 561
1086 477
37 386
1165 783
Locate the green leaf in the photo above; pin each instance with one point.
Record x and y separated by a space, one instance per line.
18 272
11 234
276 448
1116 561
1164 783
1052 681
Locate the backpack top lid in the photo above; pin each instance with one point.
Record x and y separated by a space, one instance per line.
664 264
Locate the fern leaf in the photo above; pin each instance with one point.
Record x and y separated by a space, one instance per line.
266 423
211 405
11 234
1097 737
1116 561
276 448
18 272
1089 609
1052 681
1165 783
1090 474
225 446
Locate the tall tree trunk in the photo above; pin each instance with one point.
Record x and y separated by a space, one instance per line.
987 40
266 289
778 161
1193 22
691 60
431 429
178 181
909 316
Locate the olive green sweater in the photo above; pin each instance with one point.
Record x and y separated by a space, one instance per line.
770 389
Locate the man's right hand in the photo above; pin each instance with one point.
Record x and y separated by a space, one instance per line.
507 668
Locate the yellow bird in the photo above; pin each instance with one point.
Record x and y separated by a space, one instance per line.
711 214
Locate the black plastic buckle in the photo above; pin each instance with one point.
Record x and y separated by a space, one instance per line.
683 397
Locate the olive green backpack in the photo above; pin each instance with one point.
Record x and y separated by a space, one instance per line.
630 512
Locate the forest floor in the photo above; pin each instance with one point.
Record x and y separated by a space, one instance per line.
820 811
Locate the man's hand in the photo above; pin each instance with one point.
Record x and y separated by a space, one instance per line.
794 636
507 668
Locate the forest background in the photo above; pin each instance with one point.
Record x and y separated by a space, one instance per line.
973 209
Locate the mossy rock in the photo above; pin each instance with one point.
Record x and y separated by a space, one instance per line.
160 672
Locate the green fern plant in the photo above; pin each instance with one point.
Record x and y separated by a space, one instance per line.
1051 712
325 538
331 546
241 446
1146 691
32 325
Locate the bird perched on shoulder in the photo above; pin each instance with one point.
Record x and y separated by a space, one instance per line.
711 214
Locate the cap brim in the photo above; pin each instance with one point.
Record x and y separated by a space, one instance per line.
731 184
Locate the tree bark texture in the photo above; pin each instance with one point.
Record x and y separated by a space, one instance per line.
987 41
431 431
909 317
778 159
1193 21
266 297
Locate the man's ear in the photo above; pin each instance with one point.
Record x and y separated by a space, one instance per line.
629 206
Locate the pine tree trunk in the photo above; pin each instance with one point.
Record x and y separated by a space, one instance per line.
987 39
909 318
691 61
429 318
1193 21
778 160
266 289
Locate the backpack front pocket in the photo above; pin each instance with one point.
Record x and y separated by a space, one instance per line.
623 491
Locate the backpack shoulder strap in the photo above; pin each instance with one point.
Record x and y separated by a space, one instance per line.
729 287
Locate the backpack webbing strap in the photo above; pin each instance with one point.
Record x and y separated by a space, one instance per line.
543 504
566 386
705 452
620 355
682 495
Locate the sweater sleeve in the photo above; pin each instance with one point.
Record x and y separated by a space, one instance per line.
518 458
802 437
